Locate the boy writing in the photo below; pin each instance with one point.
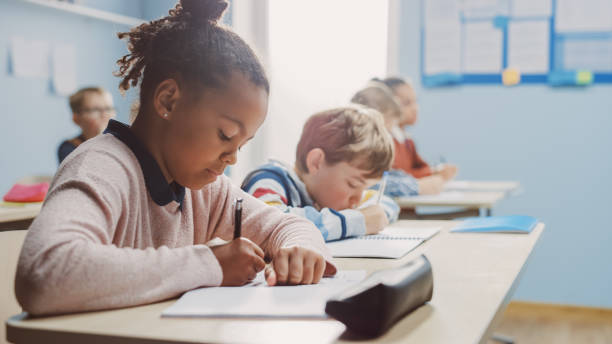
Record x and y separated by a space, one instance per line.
341 153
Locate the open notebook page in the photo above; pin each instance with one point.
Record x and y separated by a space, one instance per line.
392 242
257 299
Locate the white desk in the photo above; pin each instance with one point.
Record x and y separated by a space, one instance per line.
464 199
474 277
17 216
507 187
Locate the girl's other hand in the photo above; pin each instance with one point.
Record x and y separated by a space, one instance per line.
295 265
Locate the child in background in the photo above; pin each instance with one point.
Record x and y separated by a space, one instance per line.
146 199
340 154
406 156
400 184
92 108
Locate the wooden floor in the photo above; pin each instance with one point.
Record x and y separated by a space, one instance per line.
528 323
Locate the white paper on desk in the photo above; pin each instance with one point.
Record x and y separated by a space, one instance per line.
424 233
442 38
482 47
528 46
259 300
29 59
583 16
392 242
64 69
531 8
441 197
457 184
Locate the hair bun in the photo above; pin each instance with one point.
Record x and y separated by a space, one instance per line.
204 10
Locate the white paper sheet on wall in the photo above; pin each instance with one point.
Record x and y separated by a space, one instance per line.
528 46
442 41
531 8
64 69
591 54
475 9
29 58
443 49
583 15
482 48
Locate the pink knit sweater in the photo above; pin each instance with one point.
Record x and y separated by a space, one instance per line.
101 242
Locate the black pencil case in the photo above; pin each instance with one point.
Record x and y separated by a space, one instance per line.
374 305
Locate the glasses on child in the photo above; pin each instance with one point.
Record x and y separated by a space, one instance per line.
99 112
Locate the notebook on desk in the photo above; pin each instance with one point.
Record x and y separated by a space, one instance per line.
497 224
392 242
258 300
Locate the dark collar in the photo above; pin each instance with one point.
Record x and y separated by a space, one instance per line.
161 192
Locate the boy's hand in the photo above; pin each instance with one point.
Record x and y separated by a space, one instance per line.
240 260
375 218
431 185
295 265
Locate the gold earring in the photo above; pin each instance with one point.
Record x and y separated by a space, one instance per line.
165 115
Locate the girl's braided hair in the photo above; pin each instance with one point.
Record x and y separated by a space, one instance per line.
189 45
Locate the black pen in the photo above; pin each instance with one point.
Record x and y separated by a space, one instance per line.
238 219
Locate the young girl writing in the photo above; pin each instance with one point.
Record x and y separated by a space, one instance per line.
400 183
406 156
128 215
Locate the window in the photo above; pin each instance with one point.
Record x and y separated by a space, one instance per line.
320 53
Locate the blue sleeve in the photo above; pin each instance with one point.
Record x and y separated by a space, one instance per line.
333 224
391 208
400 184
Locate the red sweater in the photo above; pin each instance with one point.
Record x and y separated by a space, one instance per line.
407 159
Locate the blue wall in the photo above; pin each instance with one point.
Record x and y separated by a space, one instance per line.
154 9
555 141
34 119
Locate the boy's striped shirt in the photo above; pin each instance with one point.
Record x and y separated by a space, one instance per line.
278 185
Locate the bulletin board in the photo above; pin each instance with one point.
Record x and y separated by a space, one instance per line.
513 42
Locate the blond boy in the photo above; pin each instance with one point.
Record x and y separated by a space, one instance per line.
92 108
341 153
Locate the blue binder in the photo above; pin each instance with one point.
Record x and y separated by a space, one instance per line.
497 224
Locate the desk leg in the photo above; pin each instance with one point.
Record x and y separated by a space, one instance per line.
15 225
500 338
485 212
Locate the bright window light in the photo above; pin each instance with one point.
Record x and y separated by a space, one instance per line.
320 53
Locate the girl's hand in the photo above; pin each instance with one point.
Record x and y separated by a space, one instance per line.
448 172
431 185
295 265
240 259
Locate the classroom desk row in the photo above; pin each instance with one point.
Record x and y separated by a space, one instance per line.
474 198
471 195
17 216
474 277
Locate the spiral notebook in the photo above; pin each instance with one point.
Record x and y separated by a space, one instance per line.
392 242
